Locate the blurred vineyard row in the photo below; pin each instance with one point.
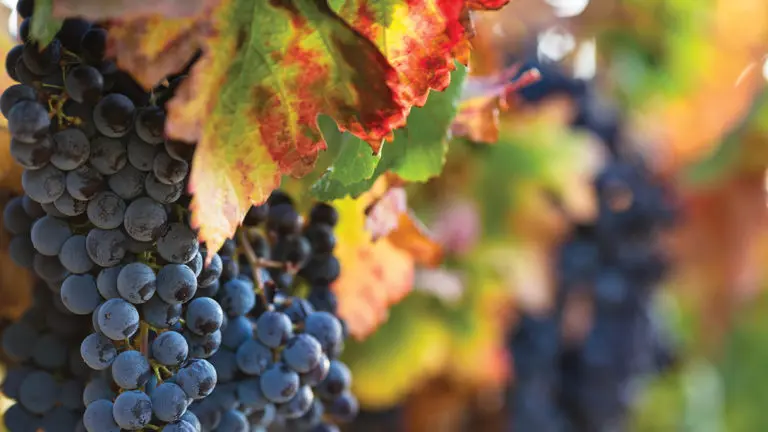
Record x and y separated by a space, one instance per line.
687 80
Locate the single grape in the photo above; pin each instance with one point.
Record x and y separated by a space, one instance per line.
71 150
84 84
343 408
113 115
163 193
318 374
42 61
11 60
22 251
98 351
279 383
131 370
44 185
302 353
321 238
256 215
108 155
74 256
25 8
176 283
38 392
32 156
98 417
140 154
178 244
150 125
283 220
94 44
28 121
145 219
136 282
106 282
169 402
236 297
339 380
72 32
69 206
236 331
323 213
105 247
18 340
24 74
297 309
160 314
49 234
274 328
14 94
132 410
128 183
84 183
106 210
190 418
16 418
203 346
204 316
299 404
292 249
233 420
118 319
321 270
253 357
278 197
15 219
197 379
168 170
79 294
170 348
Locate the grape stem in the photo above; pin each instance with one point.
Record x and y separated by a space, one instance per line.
144 338
152 427
255 263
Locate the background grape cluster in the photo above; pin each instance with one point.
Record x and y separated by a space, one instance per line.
574 379
135 325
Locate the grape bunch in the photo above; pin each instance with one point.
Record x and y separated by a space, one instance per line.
576 377
277 353
148 328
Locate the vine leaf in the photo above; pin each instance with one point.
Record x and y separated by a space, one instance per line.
417 152
44 25
269 69
374 275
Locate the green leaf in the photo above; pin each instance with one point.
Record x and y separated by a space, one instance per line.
416 154
44 25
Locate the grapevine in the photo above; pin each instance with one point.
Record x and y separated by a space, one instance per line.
135 324
586 379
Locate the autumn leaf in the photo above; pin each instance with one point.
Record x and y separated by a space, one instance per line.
484 98
268 69
374 275
416 154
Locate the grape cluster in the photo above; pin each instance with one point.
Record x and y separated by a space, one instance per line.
136 325
585 379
